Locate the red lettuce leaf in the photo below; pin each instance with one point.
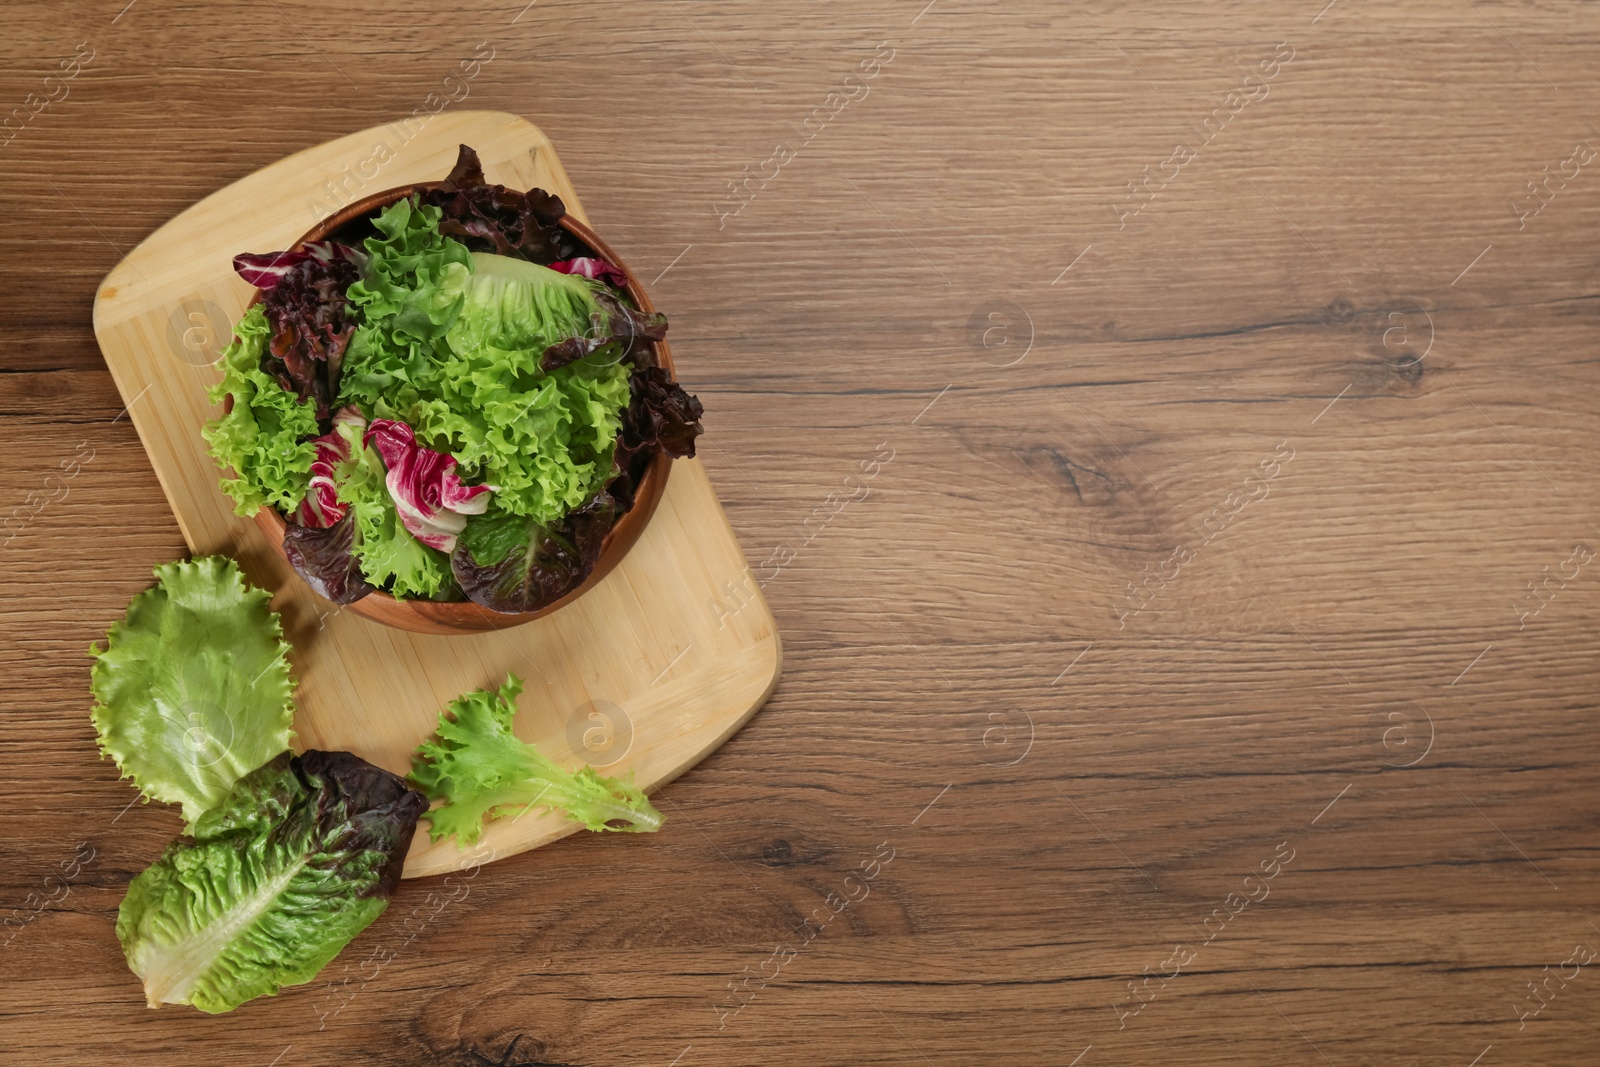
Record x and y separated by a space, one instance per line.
492 218
507 563
323 557
660 416
303 295
660 413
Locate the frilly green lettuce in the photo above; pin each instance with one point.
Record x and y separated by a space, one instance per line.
193 689
451 345
382 545
413 278
261 436
479 769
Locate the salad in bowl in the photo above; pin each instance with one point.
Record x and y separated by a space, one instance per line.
449 403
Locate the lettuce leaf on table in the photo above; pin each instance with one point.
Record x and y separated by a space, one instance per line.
193 689
262 437
480 770
297 860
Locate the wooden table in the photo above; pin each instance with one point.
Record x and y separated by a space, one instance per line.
1189 584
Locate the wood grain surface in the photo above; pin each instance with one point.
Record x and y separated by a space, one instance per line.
1206 669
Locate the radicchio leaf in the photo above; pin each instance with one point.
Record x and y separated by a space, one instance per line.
430 498
303 294
324 558
492 218
511 564
321 507
594 269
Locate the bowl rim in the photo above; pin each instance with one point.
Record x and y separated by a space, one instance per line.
467 616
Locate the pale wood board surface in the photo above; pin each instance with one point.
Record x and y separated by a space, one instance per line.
646 665
1274 691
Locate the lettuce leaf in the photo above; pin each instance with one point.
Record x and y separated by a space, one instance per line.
510 563
324 557
382 545
193 688
300 857
479 769
303 295
660 417
470 381
411 287
264 437
492 218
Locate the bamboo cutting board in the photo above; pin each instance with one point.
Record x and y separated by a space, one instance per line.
646 673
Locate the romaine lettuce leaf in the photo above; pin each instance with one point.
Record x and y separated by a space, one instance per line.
299 858
511 563
193 689
479 769
264 437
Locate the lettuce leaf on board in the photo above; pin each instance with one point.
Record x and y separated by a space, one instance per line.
263 436
480 770
297 860
193 689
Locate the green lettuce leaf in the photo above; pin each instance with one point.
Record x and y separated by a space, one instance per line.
509 563
513 308
408 296
545 439
452 345
413 279
265 437
193 689
298 859
382 545
480 770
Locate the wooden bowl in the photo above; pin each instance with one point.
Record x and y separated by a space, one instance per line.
463 616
